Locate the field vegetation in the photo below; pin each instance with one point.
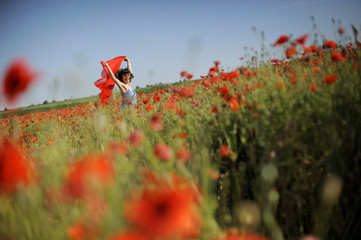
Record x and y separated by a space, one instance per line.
270 152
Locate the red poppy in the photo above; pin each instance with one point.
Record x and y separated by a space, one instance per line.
213 70
233 103
156 98
224 151
337 56
149 108
18 78
189 76
183 154
91 173
224 91
316 69
341 30
165 211
136 137
180 135
214 109
163 152
115 148
330 78
156 122
145 101
129 236
301 40
281 40
236 235
83 230
170 104
330 44
15 168
183 73
180 112
291 51
186 92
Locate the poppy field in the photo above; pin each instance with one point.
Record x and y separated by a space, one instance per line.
269 152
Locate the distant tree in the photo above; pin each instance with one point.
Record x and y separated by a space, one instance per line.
137 87
45 102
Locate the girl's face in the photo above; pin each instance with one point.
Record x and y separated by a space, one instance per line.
126 78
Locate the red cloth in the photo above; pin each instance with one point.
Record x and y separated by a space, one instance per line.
106 84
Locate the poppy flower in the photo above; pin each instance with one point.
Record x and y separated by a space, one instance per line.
83 230
337 56
115 148
224 151
87 175
224 91
237 235
290 51
186 92
15 168
281 40
213 70
214 109
341 30
18 78
330 78
183 154
180 112
163 152
189 76
149 108
136 137
156 122
233 103
301 40
145 101
183 73
330 44
164 211
170 104
129 235
156 98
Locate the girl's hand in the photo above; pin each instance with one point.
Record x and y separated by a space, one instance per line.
105 63
126 59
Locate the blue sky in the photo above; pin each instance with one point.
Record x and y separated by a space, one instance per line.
66 40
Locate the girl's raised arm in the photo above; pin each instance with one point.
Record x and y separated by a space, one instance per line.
128 64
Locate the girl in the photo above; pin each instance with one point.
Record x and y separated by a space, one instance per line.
123 79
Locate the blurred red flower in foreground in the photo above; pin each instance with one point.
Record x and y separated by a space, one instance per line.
128 236
337 56
281 40
156 122
17 79
330 78
301 40
15 168
163 152
235 235
164 210
88 175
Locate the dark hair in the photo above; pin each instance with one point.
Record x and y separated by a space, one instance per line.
123 71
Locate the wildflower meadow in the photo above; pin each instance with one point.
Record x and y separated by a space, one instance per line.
271 151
